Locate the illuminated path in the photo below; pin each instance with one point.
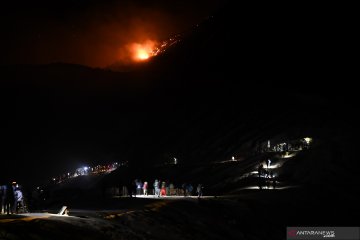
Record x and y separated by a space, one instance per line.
167 197
265 188
28 217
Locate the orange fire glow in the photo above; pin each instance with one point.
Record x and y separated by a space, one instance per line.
142 51
142 54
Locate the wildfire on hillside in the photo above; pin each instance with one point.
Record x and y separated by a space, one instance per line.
150 48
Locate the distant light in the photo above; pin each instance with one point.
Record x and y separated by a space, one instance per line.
274 166
68 174
85 168
233 158
252 187
175 161
54 179
288 155
308 140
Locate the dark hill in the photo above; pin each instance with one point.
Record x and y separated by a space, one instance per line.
244 75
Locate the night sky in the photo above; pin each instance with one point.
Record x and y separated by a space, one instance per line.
53 127
90 32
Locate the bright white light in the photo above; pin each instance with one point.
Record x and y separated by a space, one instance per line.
274 166
288 155
85 168
233 158
253 187
308 140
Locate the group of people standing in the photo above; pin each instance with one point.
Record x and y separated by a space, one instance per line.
12 199
162 188
188 189
266 177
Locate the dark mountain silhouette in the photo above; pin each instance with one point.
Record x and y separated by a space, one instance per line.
246 74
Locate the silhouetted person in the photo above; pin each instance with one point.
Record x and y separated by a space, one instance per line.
9 199
2 198
199 190
129 189
145 188
268 181
184 188
19 200
167 188
139 186
260 172
273 180
172 189
156 188
163 189
189 189
134 188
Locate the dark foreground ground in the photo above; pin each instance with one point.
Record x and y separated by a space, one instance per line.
250 214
